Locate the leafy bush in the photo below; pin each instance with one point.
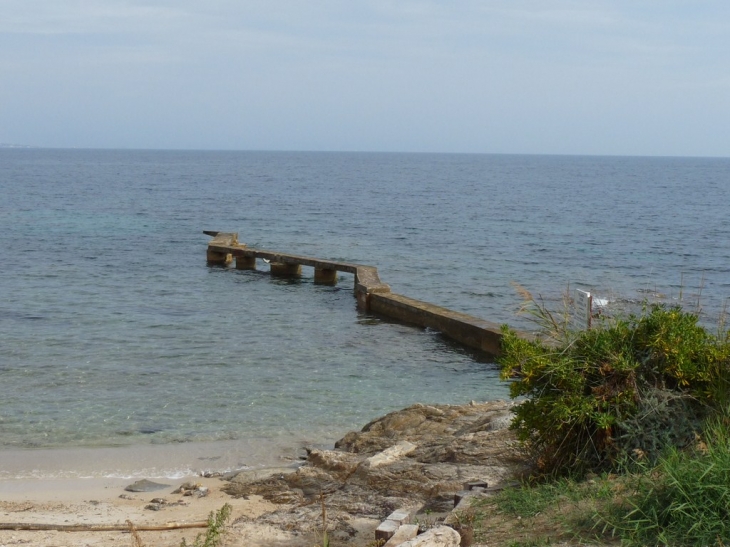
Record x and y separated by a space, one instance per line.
622 391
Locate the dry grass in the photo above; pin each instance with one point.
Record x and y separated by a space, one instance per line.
136 540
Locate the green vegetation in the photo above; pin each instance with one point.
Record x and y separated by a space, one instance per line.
214 532
628 426
684 500
557 511
619 393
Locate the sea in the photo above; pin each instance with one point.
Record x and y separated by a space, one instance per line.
123 354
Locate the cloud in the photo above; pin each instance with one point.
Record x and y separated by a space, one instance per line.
471 75
87 17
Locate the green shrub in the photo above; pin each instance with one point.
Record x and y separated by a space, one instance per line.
621 391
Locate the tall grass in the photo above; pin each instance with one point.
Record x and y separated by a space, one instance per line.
684 500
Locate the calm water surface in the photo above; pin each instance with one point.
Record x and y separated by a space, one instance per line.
114 331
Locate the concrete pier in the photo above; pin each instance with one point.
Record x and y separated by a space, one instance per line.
325 276
218 249
245 262
283 269
372 294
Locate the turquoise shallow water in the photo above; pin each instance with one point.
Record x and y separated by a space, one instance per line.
116 333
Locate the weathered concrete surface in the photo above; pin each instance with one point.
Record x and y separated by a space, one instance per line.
245 263
426 454
219 247
325 276
368 281
401 517
403 534
467 329
386 530
280 269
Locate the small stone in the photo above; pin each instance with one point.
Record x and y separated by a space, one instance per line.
210 474
185 487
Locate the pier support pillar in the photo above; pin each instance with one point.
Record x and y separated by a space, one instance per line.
363 300
325 277
219 259
279 269
245 262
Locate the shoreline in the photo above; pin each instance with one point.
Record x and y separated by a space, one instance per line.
86 487
414 460
163 461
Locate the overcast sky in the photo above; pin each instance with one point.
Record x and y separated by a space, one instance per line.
635 77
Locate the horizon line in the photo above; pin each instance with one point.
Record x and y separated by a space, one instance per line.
14 146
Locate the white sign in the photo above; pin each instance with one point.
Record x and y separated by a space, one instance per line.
582 312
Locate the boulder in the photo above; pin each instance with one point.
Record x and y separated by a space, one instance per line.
424 425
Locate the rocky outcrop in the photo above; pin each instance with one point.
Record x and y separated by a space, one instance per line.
416 458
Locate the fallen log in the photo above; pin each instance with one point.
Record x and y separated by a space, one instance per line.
97 527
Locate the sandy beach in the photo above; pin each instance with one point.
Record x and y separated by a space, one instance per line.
86 486
413 460
105 502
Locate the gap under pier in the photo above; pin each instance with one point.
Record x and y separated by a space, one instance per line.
372 294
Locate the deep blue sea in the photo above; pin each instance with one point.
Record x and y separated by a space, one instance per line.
115 333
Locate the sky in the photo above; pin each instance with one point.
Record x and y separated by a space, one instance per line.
647 77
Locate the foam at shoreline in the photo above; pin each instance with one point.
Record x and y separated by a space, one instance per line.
168 461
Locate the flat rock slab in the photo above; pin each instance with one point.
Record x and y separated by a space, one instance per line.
441 536
146 486
389 455
248 476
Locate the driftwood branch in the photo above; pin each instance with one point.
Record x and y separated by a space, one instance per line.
98 527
